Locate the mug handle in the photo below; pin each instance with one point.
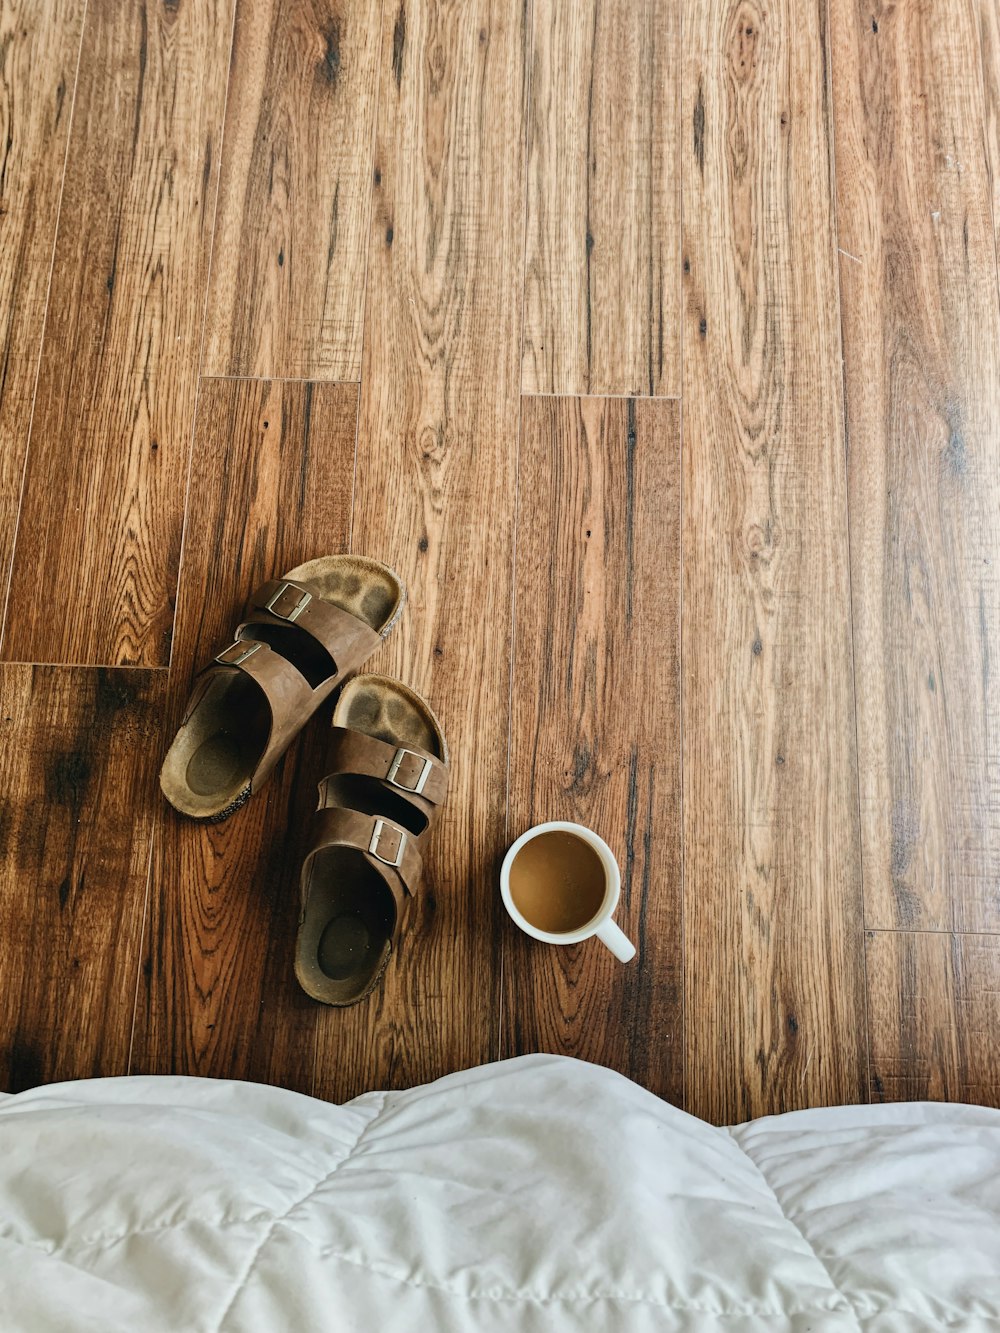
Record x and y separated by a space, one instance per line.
617 941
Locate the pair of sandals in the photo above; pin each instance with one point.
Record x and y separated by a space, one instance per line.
387 777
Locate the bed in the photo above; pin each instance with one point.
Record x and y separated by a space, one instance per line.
539 1193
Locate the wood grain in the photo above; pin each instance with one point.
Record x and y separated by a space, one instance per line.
270 488
775 1002
291 231
76 776
39 47
602 290
922 368
116 389
435 498
934 1006
595 726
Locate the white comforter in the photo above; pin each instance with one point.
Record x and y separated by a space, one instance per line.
540 1193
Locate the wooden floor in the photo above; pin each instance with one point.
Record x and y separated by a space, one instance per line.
656 344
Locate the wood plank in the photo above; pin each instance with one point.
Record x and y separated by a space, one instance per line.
976 963
775 1001
39 47
922 368
934 1011
912 1020
602 280
116 390
77 753
596 722
270 488
291 231
989 35
435 499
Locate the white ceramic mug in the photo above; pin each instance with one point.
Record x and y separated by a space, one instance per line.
600 924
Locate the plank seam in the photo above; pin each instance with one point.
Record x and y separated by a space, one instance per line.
627 397
980 30
528 47
364 291
928 930
679 116
87 666
275 379
830 106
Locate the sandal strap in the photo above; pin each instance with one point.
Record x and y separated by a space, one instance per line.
390 848
289 695
348 639
286 689
413 772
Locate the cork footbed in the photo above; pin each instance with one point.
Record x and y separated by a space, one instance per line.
348 916
208 768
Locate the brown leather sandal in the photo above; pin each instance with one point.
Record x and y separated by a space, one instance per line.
388 776
304 634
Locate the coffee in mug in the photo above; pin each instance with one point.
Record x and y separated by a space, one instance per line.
557 882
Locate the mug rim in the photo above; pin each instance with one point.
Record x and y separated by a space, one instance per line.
611 895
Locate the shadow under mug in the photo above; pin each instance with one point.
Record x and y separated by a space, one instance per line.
600 923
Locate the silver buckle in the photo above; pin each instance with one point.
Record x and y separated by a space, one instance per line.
304 599
421 782
241 648
373 846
